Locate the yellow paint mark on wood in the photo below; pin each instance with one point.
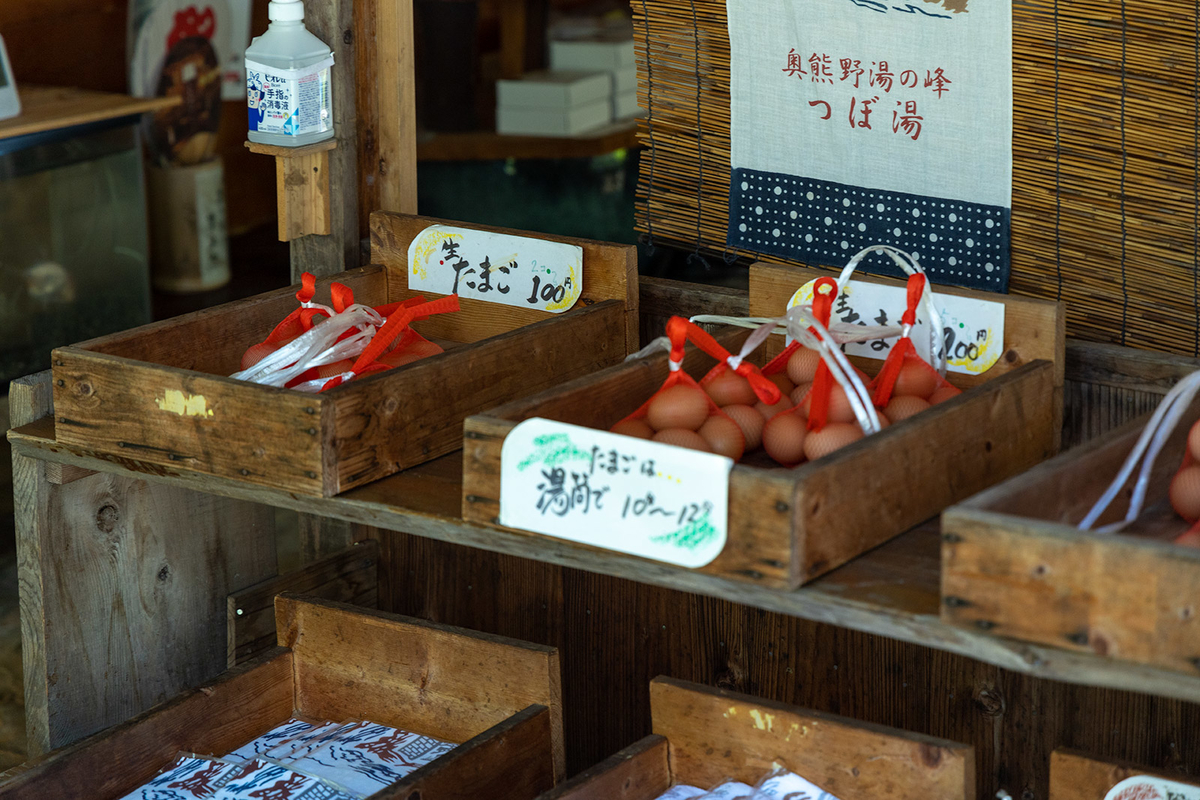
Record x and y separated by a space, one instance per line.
732 712
764 722
795 727
185 405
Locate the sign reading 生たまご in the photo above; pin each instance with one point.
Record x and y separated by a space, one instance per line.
497 267
858 122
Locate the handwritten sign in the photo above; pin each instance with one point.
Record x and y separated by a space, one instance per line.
617 492
1144 787
905 113
972 330
497 267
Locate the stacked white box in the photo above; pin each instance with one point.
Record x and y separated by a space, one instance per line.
611 54
554 103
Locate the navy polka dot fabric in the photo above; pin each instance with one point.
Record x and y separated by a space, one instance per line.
957 243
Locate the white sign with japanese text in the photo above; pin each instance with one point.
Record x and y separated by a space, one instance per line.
496 267
972 330
856 122
1146 788
602 489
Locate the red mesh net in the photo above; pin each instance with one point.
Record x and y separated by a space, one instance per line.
685 413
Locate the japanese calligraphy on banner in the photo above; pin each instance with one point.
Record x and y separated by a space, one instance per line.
859 122
617 492
1147 788
972 330
497 267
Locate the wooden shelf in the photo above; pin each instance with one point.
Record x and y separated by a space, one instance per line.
45 108
892 591
490 146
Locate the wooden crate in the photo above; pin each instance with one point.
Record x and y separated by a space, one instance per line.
787 527
703 736
1075 776
498 698
159 393
1014 564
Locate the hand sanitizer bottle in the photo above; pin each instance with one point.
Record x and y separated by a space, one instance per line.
287 81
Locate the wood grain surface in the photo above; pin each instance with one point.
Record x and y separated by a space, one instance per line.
717 735
449 683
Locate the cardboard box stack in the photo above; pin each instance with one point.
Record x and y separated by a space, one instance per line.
554 103
610 53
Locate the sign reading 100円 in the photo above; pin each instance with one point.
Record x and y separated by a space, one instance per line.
496 267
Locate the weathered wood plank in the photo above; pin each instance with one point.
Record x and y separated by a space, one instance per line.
449 683
1075 776
887 604
216 718
511 759
351 576
716 735
641 771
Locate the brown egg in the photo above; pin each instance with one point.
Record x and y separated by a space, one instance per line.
256 353
1185 493
781 380
424 348
916 379
903 407
799 392
682 437
769 411
1189 539
750 421
1193 442
783 438
679 406
636 428
943 394
802 365
729 388
833 436
839 407
724 436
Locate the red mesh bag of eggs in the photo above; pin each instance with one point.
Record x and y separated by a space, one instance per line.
820 416
907 384
1184 490
317 347
684 414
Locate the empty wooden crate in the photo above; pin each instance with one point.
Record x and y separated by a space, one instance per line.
497 699
704 736
160 394
788 526
1075 776
1015 564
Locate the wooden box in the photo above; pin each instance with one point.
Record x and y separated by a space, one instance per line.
1015 564
788 526
499 699
703 736
159 393
1075 776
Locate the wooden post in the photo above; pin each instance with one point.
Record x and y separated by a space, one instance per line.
332 21
387 108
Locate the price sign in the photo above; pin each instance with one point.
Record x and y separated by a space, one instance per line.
972 330
617 492
497 267
1144 787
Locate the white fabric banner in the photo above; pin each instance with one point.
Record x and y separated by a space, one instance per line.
858 122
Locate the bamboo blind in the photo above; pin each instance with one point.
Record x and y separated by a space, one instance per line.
1105 126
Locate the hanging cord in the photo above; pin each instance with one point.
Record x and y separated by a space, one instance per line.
696 257
1196 184
650 132
1124 166
1057 165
